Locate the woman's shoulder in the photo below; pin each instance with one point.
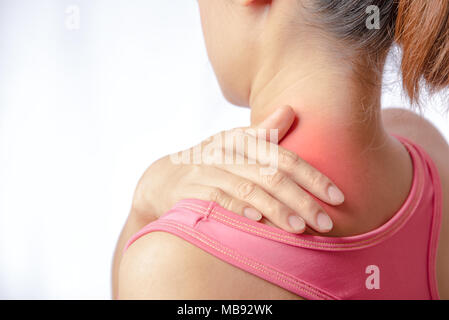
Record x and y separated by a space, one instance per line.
160 265
422 132
418 129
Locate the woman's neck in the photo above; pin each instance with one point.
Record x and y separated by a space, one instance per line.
325 97
340 132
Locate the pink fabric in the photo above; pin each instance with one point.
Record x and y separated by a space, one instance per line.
314 267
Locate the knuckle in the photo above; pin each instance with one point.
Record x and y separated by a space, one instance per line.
213 155
216 195
233 130
241 140
311 176
288 159
234 140
275 180
316 178
236 133
307 205
227 203
246 190
251 132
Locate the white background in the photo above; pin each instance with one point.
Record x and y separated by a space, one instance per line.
82 115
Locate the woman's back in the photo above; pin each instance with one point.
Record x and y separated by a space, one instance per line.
199 275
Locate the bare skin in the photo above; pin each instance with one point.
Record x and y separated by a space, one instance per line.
266 57
235 187
150 269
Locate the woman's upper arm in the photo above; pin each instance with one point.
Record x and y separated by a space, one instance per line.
162 266
158 266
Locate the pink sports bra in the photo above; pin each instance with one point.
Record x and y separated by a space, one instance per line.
394 261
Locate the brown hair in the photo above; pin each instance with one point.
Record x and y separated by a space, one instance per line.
422 30
419 27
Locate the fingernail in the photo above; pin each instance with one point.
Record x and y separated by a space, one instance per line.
252 214
267 123
335 195
296 223
324 222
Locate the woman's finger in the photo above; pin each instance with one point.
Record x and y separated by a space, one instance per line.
246 191
278 184
285 191
222 198
309 178
281 119
302 172
268 153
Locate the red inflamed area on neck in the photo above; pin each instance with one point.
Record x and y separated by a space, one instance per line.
336 156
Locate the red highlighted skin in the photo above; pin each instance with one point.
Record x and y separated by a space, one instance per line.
358 168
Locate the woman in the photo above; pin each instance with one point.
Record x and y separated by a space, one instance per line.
319 57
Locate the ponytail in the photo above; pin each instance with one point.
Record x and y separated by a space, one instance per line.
422 30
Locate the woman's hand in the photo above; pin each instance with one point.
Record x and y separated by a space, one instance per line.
247 188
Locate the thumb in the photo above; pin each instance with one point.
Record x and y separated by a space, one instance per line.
281 119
